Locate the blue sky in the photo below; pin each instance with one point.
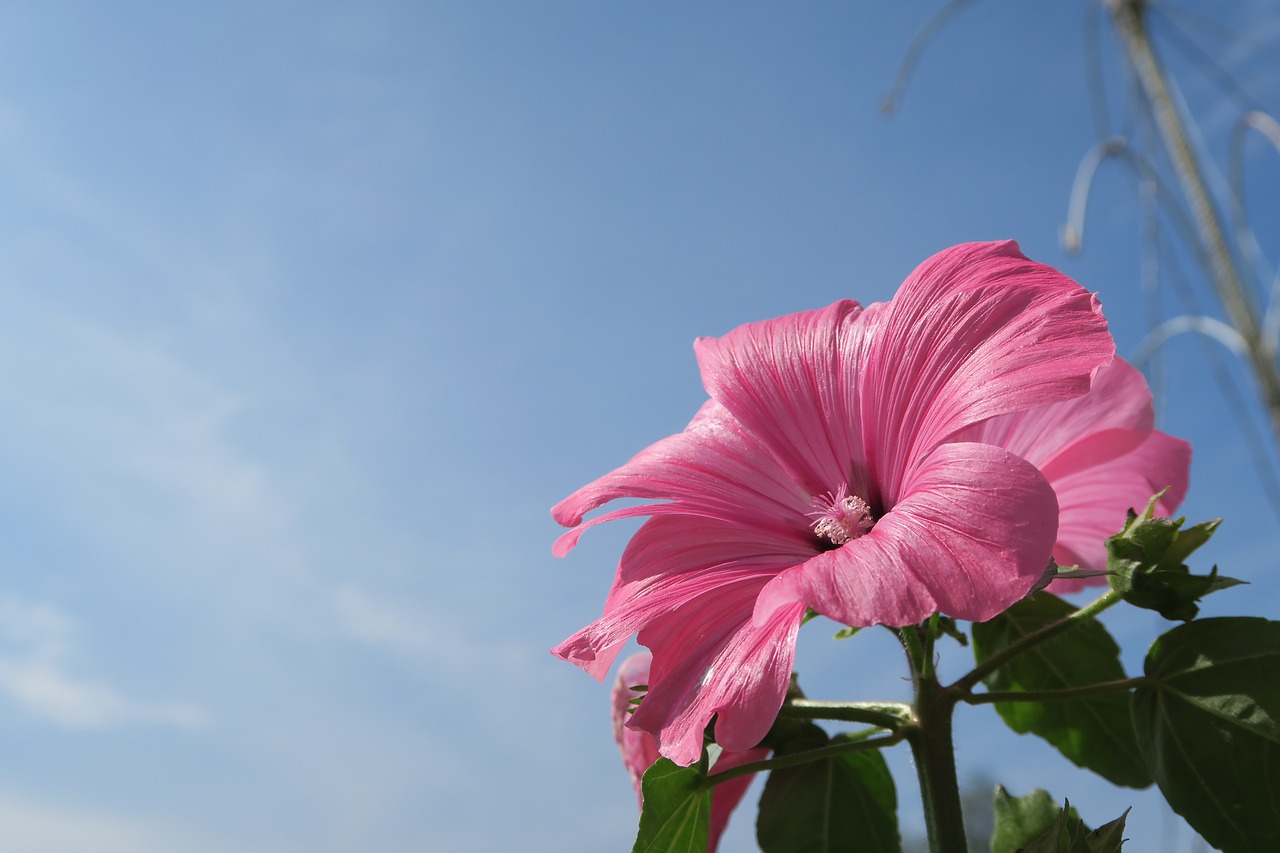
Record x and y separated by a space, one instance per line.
310 311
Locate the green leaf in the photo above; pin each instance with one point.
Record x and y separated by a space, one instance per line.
1021 820
1035 824
1095 733
1147 563
1209 727
948 626
1109 837
676 817
1070 835
846 632
846 802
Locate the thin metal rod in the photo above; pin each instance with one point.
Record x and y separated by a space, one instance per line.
1127 16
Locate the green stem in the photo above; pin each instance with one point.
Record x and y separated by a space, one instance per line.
1086 692
1048 632
809 755
930 636
915 652
934 751
885 715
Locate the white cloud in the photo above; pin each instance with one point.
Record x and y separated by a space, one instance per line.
377 623
34 826
428 636
37 642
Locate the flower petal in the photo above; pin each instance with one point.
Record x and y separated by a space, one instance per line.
1113 418
1095 500
793 382
970 536
639 749
976 331
670 561
714 469
711 659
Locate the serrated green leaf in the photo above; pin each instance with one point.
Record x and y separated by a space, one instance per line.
1147 564
948 627
1068 834
847 802
1174 593
1209 727
1021 820
1109 837
1095 733
1065 836
1190 539
676 816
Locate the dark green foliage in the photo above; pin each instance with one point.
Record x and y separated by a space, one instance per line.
677 810
1095 733
1209 727
846 802
1148 564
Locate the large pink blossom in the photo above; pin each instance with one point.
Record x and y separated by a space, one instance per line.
1102 457
639 749
824 473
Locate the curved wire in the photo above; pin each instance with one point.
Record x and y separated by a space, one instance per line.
1204 23
1071 234
1245 238
1207 64
914 51
1258 447
1210 327
1093 68
1193 319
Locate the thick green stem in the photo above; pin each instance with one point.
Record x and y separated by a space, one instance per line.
934 751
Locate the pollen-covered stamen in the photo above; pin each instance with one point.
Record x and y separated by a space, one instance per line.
840 516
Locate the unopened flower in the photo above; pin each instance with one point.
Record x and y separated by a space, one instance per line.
639 749
750 511
1102 456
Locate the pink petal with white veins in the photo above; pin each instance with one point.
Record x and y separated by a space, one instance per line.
970 536
670 561
793 382
976 331
639 749
710 659
1095 501
713 469
1113 418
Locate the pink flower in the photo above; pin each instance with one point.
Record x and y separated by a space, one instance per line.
1102 457
823 473
640 750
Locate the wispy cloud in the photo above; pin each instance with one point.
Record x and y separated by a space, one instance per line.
33 825
36 648
378 623
427 636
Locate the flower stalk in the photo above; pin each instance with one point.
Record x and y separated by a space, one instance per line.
884 715
933 748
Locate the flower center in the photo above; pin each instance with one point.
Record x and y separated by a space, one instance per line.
839 516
